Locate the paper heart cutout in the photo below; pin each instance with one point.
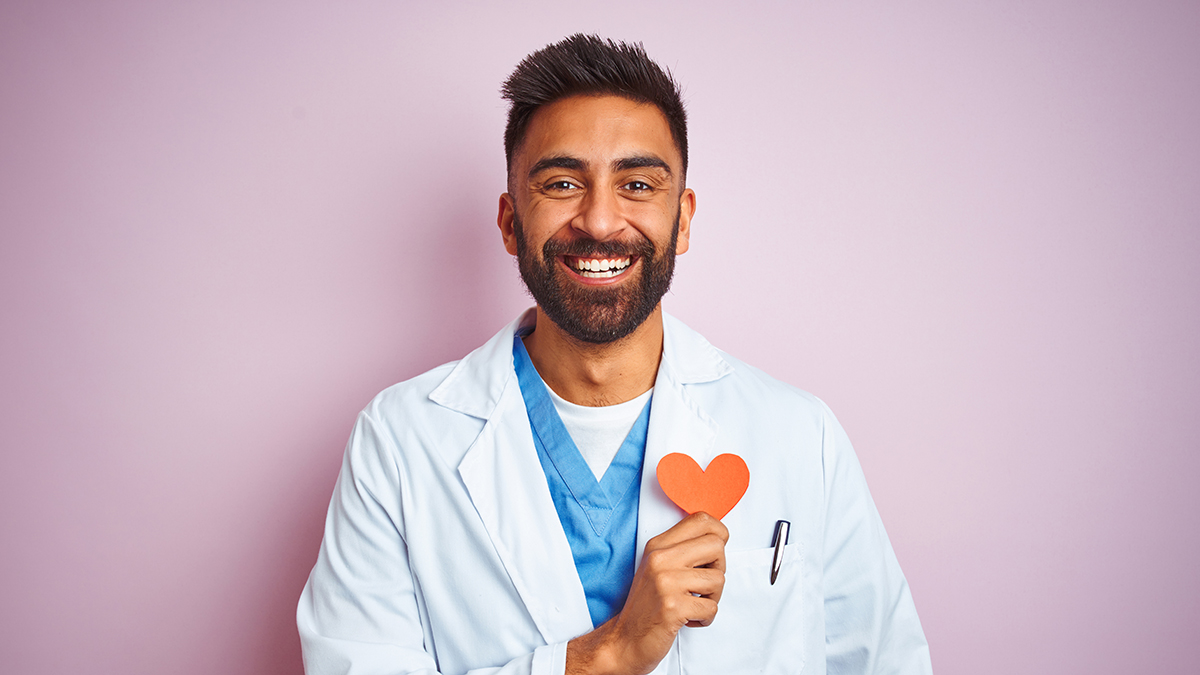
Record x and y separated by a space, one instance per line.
714 490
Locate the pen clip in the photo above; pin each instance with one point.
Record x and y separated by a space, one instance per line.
782 530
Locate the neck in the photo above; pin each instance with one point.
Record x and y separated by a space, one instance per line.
597 374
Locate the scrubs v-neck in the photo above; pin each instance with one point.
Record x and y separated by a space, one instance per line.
598 517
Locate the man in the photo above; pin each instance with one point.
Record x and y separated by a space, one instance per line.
502 512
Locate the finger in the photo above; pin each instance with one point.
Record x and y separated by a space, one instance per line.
701 612
706 583
705 551
715 525
691 581
691 527
717 553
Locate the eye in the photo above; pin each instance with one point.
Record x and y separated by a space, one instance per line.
560 186
637 186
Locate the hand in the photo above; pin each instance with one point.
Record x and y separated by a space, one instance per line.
678 584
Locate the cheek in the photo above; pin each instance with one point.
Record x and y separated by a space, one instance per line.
654 223
545 219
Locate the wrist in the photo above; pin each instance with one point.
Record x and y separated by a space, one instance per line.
593 654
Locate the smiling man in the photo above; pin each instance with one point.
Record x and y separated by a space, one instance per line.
596 215
502 513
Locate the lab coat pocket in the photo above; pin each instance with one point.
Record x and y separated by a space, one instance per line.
759 626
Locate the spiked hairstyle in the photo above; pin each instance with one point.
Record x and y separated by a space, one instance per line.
590 65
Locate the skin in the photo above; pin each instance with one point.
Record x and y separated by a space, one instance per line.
602 199
606 168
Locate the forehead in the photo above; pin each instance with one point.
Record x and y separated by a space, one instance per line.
598 130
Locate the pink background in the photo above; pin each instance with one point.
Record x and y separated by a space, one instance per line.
972 230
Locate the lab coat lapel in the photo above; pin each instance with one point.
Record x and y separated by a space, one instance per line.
506 484
508 488
677 422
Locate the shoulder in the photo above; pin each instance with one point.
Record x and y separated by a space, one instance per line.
411 394
435 417
756 380
404 429
403 416
470 386
721 380
753 390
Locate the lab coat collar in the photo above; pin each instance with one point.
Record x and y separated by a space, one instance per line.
688 356
502 474
476 383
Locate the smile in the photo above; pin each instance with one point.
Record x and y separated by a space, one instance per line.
598 268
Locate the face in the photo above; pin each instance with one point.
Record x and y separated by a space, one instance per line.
596 213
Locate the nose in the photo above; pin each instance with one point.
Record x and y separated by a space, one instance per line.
600 215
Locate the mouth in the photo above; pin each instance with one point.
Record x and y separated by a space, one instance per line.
598 268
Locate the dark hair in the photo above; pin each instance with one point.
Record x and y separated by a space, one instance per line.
590 65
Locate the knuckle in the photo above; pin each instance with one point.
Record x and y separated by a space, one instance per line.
670 605
662 585
722 531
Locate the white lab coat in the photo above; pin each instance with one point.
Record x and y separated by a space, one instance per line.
443 551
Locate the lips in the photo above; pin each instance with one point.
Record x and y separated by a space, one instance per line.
598 268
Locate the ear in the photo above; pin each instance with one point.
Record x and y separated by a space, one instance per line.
687 209
505 220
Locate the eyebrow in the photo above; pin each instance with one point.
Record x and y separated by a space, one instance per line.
557 162
576 164
641 162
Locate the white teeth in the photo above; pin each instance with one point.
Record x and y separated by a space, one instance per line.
597 268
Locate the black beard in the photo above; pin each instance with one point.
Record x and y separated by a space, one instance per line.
596 315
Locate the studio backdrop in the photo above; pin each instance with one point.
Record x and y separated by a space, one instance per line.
972 229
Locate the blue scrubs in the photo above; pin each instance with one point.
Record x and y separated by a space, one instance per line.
599 517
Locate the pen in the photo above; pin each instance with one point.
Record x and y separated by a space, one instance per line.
781 537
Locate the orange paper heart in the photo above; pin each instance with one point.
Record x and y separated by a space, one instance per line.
714 490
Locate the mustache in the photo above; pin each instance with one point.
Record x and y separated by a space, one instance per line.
590 248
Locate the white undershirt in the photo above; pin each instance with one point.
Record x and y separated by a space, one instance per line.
598 432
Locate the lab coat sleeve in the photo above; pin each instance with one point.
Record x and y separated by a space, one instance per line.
360 612
871 623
